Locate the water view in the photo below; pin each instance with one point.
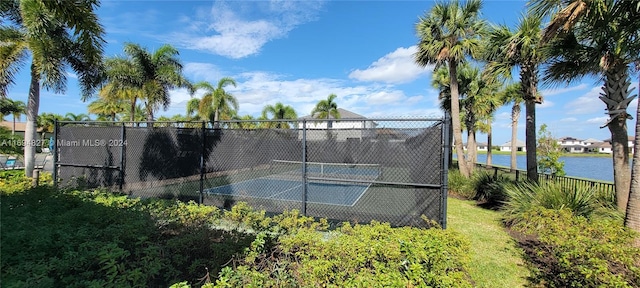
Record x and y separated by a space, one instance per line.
597 168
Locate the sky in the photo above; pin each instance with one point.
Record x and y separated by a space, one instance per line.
299 52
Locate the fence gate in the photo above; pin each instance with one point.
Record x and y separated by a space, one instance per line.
390 170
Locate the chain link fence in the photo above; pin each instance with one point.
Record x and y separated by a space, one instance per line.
390 170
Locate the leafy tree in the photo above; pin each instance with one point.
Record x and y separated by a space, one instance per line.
216 103
549 152
56 36
600 38
450 33
279 111
325 109
521 48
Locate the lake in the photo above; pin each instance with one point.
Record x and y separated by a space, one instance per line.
597 168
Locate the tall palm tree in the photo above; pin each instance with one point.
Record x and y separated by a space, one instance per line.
280 111
325 109
485 89
144 75
521 48
450 33
600 38
512 94
56 35
216 101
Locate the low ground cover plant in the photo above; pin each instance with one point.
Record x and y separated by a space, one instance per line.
566 250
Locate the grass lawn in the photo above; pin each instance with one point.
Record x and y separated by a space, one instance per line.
496 261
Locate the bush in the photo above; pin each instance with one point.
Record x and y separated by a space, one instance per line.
460 185
522 197
359 256
489 190
14 181
573 251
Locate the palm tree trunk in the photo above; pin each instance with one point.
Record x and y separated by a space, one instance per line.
515 115
132 110
13 128
529 82
455 119
489 143
472 149
216 119
32 115
632 217
616 82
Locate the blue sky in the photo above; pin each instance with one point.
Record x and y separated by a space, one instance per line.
299 52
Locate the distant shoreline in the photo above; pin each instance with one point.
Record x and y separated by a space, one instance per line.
605 155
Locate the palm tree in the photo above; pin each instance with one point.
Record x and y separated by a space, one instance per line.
485 89
192 108
216 101
59 35
13 107
145 75
280 112
47 123
597 37
76 117
325 109
124 82
512 94
107 109
521 48
448 34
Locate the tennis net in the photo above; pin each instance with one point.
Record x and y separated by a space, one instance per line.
347 171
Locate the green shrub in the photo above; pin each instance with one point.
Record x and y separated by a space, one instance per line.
374 255
488 189
14 181
522 197
573 251
460 185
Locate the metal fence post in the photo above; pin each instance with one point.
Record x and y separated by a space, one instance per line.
446 150
122 155
304 167
202 152
55 154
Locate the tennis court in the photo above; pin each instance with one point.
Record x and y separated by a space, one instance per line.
287 185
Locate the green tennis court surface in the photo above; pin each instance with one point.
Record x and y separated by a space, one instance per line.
321 193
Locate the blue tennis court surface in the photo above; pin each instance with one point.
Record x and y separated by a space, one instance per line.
322 193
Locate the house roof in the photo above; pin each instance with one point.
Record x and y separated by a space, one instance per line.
519 143
592 140
346 114
569 139
20 126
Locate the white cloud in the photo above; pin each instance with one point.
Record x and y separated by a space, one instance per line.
395 67
232 29
569 119
557 91
257 89
204 71
586 104
598 120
